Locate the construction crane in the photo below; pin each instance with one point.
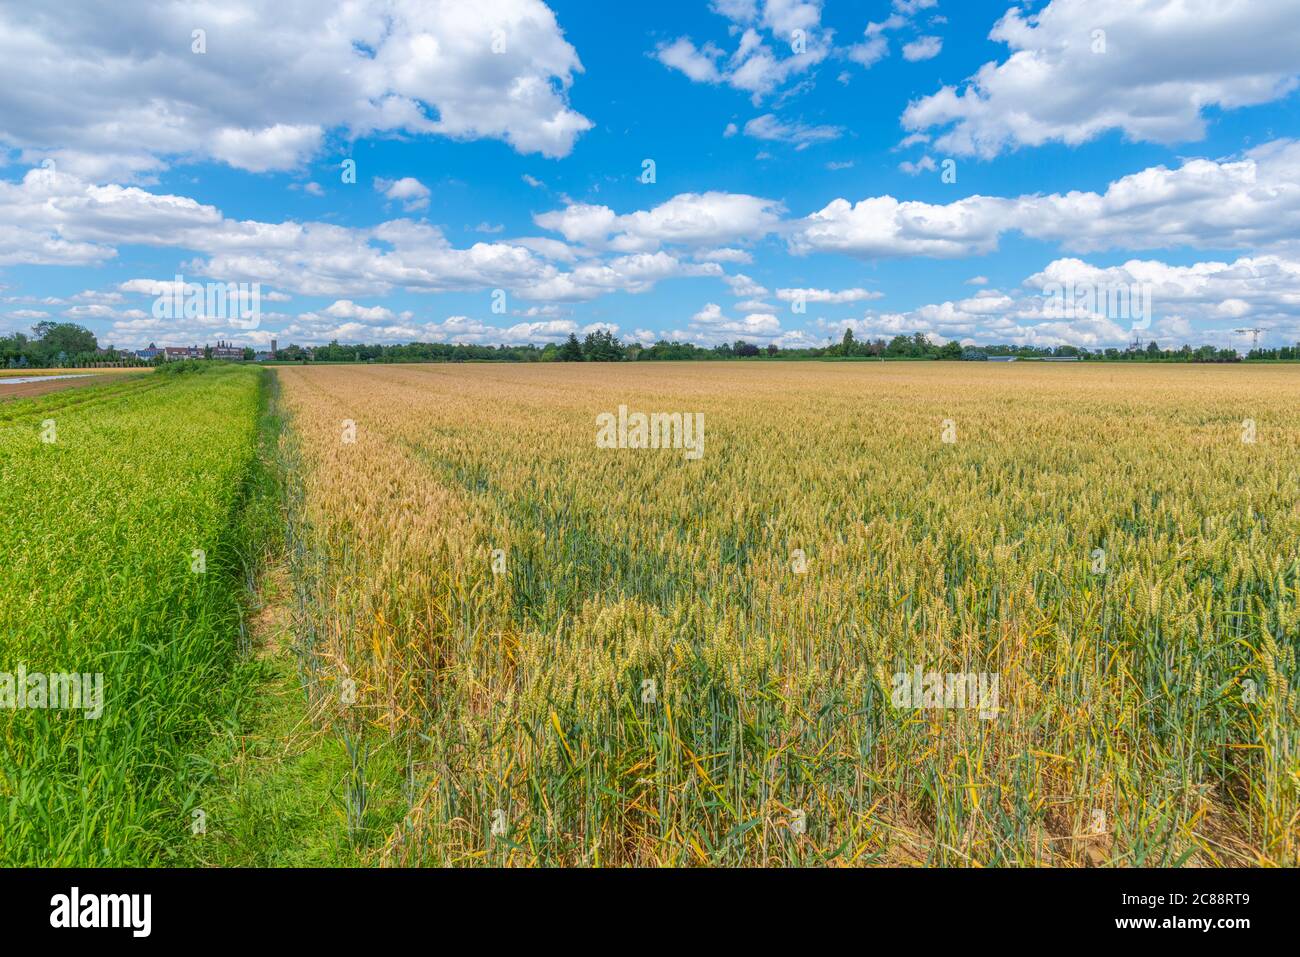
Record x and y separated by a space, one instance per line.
1254 333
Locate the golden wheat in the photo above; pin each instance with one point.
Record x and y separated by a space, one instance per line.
690 662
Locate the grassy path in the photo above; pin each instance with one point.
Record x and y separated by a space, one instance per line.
274 773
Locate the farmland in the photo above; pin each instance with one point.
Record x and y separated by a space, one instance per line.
122 563
536 651
27 384
839 614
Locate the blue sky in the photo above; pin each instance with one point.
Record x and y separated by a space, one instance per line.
798 148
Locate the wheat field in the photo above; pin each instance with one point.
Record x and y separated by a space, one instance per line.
555 653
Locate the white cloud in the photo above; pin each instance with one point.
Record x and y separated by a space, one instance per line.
695 219
922 48
1249 202
884 226
711 326
744 287
874 49
347 309
282 146
635 273
1153 70
58 220
701 65
925 164
1261 290
724 255
827 296
875 45
779 39
275 78
770 127
409 191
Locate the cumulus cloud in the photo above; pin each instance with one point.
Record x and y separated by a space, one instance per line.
724 255
1216 296
1148 68
778 40
743 286
316 328
409 191
922 48
271 79
875 43
701 65
693 219
925 164
55 219
711 326
1248 202
347 309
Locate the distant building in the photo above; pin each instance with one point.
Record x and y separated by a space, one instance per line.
1002 358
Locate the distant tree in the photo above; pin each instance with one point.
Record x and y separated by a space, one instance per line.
571 351
899 346
847 345
65 338
601 346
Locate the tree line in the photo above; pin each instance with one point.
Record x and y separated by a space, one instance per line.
62 344
604 346
58 345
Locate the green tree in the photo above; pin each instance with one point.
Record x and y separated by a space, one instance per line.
571 351
67 338
898 346
601 346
